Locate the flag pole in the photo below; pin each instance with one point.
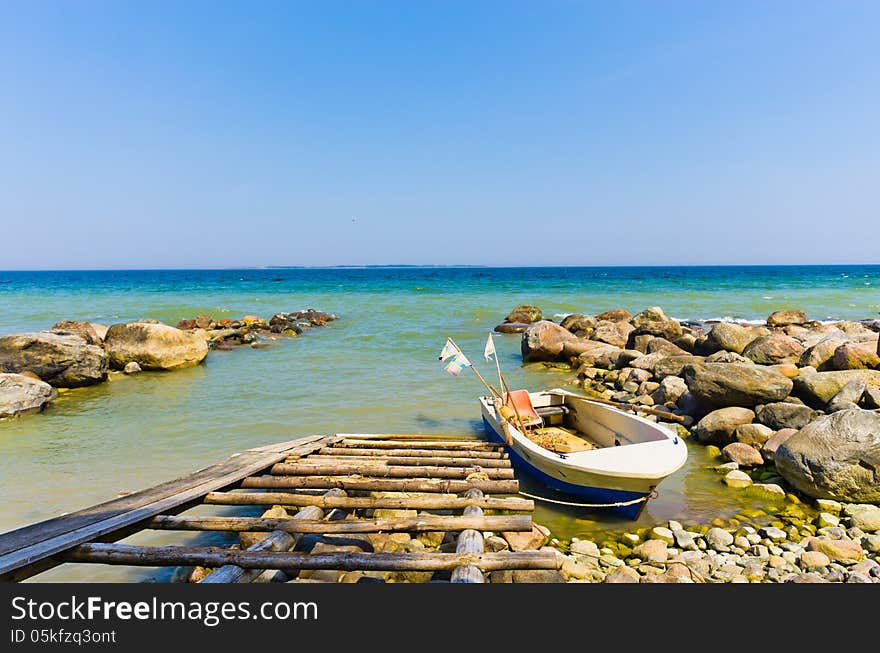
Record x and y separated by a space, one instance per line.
506 388
492 392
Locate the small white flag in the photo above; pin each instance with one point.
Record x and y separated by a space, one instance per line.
490 348
456 364
449 350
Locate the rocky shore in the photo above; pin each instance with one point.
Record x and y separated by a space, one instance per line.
35 366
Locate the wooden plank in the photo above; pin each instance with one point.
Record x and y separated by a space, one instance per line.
471 541
437 502
356 483
386 471
426 453
409 436
151 556
402 460
419 444
22 548
298 524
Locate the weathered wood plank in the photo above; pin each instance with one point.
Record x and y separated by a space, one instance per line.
298 524
471 541
387 471
126 554
409 436
476 445
421 453
413 461
20 549
354 483
438 502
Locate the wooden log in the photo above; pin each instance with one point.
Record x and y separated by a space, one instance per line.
418 444
471 541
386 471
153 556
407 436
421 453
360 503
356 483
301 524
488 463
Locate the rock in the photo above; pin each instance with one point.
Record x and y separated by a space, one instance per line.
652 551
788 370
742 454
826 520
729 337
537 576
786 317
871 543
856 356
525 541
857 577
821 355
653 321
600 355
774 349
526 313
580 325
663 346
729 357
684 540
544 341
673 365
871 398
572 569
612 333
511 327
670 390
829 505
131 368
84 330
731 384
784 415
21 394
866 517
810 577
718 539
661 533
767 490
585 548
754 435
308 317
768 450
622 575
835 457
154 346
737 479
814 560
848 397
837 550
819 388
615 315
719 426
62 361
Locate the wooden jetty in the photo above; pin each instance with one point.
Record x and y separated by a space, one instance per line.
339 486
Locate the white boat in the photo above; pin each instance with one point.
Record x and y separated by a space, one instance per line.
584 448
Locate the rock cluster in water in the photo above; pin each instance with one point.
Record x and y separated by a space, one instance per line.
74 354
793 401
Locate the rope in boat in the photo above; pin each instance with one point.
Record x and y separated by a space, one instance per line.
651 495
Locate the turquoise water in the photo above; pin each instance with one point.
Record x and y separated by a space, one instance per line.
373 370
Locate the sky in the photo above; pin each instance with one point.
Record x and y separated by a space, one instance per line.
204 134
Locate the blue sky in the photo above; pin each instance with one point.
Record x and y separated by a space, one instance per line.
203 134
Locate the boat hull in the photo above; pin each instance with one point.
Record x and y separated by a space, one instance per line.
596 493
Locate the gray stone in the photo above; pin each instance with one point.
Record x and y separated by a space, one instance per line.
132 368
864 516
785 415
23 394
818 388
737 479
718 539
732 384
835 457
62 361
673 365
670 390
849 395
719 426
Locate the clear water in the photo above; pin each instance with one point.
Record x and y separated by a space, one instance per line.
373 370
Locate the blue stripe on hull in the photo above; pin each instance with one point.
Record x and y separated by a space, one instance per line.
592 494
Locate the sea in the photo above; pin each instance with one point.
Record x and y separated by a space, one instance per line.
375 369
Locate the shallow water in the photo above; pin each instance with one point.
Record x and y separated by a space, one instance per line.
373 370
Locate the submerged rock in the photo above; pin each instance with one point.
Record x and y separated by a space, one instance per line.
22 394
63 361
525 313
835 457
154 346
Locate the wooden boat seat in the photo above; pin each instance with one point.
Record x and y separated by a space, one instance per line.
521 403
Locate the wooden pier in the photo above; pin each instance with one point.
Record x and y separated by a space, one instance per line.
342 488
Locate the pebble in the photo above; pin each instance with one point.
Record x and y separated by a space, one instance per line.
719 539
661 533
737 479
826 519
774 534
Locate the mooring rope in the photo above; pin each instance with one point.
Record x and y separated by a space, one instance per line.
651 495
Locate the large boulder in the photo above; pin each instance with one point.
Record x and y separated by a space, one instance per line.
84 330
733 384
835 457
580 325
742 454
615 315
719 426
612 333
773 349
786 317
654 322
769 448
821 354
600 355
785 415
525 313
61 360
663 346
856 356
729 337
672 365
23 394
544 341
154 346
818 388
